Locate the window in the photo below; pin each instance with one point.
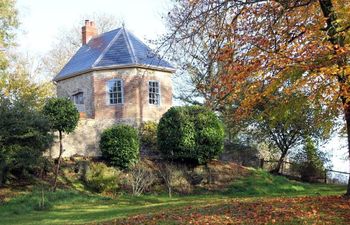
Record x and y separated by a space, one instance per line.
115 91
154 93
78 98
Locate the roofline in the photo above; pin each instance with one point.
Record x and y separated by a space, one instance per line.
137 66
107 48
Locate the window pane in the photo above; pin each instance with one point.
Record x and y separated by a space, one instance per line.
153 90
115 89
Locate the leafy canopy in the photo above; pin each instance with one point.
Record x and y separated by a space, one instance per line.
62 114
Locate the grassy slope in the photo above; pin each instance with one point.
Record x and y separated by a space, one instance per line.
73 207
261 183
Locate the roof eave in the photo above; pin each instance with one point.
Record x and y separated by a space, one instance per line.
158 68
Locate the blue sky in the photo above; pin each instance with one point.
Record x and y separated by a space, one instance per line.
42 20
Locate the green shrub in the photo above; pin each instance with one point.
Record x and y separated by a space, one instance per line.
148 134
190 133
102 178
120 146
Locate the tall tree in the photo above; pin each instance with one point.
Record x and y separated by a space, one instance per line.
267 41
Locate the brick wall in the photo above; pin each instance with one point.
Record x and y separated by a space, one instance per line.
135 106
85 139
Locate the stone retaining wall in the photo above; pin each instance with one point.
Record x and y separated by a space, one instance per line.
85 139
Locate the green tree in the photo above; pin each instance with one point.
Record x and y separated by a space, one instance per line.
24 136
310 162
63 117
285 120
190 133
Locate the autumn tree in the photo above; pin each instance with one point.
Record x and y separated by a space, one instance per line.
266 41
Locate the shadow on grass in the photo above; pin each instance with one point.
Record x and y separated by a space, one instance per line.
72 207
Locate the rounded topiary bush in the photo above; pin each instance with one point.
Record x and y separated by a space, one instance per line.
190 133
120 146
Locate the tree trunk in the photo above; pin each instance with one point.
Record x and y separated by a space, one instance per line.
58 162
347 120
279 164
338 40
169 191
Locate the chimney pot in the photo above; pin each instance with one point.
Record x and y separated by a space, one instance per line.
88 31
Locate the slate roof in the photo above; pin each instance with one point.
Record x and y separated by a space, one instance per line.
114 49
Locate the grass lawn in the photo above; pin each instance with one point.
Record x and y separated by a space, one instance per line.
260 198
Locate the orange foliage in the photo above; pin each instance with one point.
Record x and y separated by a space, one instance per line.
299 210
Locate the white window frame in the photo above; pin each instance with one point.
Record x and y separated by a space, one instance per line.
159 92
108 98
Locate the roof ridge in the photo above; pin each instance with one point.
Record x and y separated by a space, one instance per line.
107 48
130 45
155 57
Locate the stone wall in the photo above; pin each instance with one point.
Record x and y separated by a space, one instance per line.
85 139
82 83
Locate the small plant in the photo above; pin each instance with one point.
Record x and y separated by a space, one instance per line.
120 146
166 172
190 133
148 134
141 177
102 178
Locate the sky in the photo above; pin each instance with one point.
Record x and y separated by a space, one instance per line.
41 21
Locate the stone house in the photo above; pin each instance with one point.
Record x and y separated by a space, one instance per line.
114 77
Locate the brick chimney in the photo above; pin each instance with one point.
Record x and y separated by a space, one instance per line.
88 31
